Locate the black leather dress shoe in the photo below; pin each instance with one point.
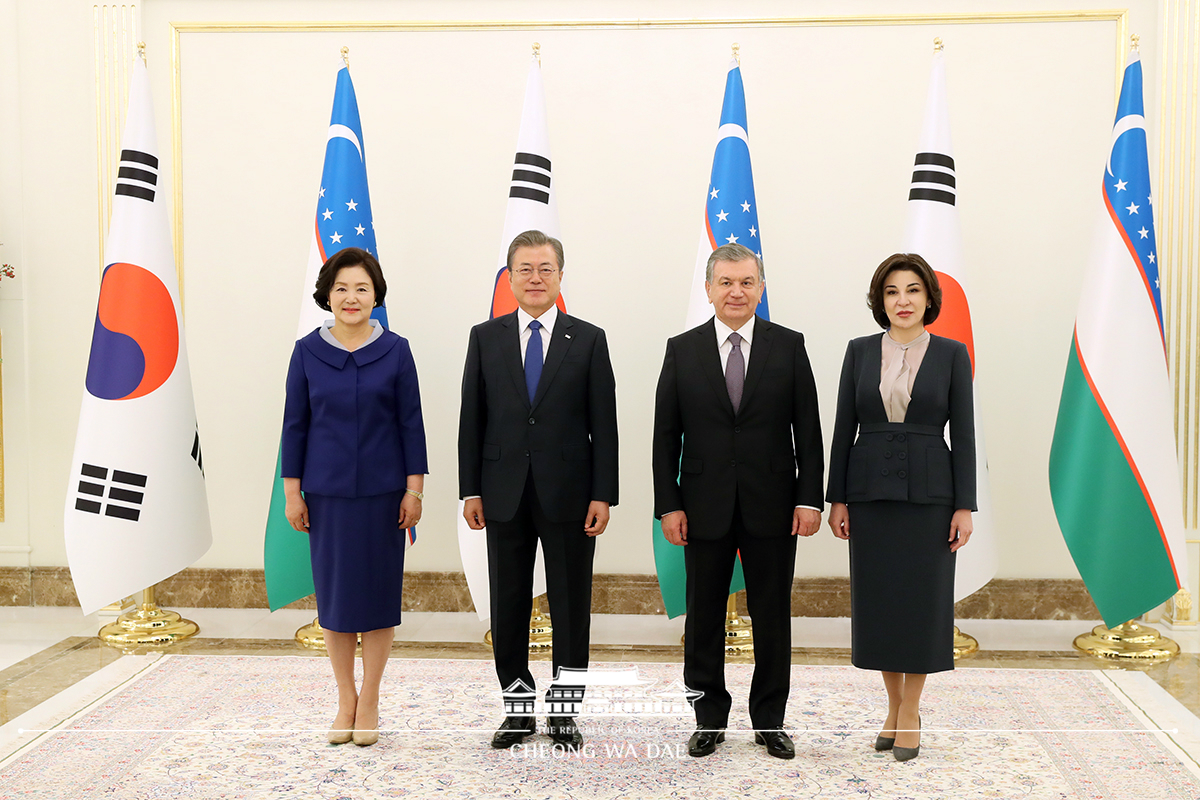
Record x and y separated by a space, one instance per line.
512 731
704 741
564 731
778 743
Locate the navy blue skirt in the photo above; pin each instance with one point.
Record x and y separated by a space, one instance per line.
357 560
901 587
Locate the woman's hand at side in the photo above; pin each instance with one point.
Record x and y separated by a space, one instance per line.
839 520
295 509
410 504
961 527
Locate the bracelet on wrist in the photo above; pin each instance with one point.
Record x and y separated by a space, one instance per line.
416 494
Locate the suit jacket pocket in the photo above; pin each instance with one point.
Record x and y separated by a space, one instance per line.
856 471
692 466
938 473
491 452
577 452
783 464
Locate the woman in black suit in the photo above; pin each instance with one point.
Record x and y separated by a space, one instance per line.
909 496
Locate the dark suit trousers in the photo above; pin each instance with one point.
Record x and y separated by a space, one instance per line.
512 551
769 564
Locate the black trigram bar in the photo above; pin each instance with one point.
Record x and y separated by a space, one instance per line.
530 194
133 173
939 159
124 495
92 471
139 157
197 456
96 489
534 160
937 195
131 478
122 512
133 190
929 176
529 176
90 506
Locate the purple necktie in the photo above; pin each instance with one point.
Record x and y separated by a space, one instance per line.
533 359
735 371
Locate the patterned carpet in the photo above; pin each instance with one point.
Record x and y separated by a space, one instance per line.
252 727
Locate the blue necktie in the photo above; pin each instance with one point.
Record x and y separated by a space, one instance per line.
533 358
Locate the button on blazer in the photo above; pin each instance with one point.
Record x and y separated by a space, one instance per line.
352 422
906 460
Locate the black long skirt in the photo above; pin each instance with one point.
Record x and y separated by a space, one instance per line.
901 587
357 552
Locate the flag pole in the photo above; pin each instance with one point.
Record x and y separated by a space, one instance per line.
149 625
537 52
737 56
346 56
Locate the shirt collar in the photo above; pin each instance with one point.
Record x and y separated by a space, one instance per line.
548 318
328 337
746 331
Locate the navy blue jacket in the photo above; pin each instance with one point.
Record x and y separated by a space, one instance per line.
905 460
352 422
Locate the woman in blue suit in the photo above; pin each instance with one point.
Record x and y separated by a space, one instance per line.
908 495
354 444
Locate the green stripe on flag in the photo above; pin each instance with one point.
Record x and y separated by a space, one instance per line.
1104 517
286 565
672 575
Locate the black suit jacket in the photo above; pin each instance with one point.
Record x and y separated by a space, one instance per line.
706 456
566 438
905 460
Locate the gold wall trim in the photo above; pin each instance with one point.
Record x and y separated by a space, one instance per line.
1176 205
114 32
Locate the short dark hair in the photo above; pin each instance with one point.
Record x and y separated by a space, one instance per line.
534 239
349 257
895 263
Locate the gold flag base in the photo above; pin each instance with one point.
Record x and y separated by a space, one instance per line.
964 644
541 630
147 626
1128 642
312 636
739 632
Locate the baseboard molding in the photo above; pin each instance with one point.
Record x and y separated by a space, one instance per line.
1003 598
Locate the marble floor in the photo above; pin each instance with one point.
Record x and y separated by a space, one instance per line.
46 650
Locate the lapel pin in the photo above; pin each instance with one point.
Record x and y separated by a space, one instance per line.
567 335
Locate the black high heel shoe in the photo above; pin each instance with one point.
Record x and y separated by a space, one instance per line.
884 742
908 753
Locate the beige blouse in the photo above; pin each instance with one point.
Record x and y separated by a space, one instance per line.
898 370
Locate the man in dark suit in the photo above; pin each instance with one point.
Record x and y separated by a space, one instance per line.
738 466
537 451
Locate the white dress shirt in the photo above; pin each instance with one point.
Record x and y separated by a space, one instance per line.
725 347
548 318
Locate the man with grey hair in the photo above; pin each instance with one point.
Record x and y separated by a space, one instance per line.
738 467
537 453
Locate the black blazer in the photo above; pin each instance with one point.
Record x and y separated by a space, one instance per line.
566 439
905 460
705 456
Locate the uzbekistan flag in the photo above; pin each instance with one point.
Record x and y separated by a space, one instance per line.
343 219
1114 474
136 509
933 233
532 205
730 217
